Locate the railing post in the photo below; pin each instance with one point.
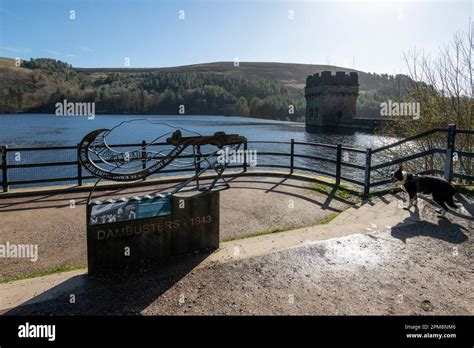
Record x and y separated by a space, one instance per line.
338 164
198 150
368 164
79 166
144 156
448 166
292 157
197 163
245 156
4 168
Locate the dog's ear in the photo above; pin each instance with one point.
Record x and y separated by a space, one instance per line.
400 167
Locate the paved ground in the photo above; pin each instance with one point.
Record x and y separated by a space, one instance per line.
373 259
56 223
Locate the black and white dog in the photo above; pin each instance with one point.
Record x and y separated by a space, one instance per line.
441 190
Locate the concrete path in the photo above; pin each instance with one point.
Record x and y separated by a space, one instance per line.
372 259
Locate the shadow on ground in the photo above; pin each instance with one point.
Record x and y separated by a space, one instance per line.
115 295
444 230
433 226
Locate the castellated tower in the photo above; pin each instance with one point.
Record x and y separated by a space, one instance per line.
331 99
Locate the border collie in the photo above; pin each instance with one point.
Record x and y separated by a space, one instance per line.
441 190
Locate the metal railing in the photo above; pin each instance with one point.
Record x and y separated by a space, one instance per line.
449 151
366 168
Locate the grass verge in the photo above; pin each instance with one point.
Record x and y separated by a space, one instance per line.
343 192
256 234
328 219
465 190
278 230
59 269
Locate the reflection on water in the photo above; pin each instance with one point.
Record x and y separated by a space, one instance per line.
43 130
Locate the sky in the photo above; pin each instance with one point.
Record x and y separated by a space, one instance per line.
366 35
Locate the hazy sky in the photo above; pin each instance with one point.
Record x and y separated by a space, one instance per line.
372 35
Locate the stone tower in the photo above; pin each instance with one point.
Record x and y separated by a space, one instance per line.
331 99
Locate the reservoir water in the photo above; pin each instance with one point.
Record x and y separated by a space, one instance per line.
34 130
52 130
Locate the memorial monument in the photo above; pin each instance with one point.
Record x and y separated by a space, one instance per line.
124 233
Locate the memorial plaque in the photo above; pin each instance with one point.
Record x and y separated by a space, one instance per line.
124 234
128 209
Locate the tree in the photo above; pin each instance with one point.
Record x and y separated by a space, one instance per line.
444 90
242 108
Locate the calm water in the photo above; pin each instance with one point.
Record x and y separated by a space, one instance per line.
51 130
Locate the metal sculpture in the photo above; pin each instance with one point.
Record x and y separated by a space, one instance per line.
104 162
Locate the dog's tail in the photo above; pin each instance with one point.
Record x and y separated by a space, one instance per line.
451 203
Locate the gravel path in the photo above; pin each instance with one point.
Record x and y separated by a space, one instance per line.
422 265
56 223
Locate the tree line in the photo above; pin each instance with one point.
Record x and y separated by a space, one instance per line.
155 93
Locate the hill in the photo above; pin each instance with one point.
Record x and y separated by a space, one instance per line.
255 89
291 75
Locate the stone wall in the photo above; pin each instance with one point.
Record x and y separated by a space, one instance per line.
331 99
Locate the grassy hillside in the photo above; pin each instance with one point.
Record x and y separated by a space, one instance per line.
252 89
288 74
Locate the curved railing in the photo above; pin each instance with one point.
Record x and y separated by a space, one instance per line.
290 160
60 164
